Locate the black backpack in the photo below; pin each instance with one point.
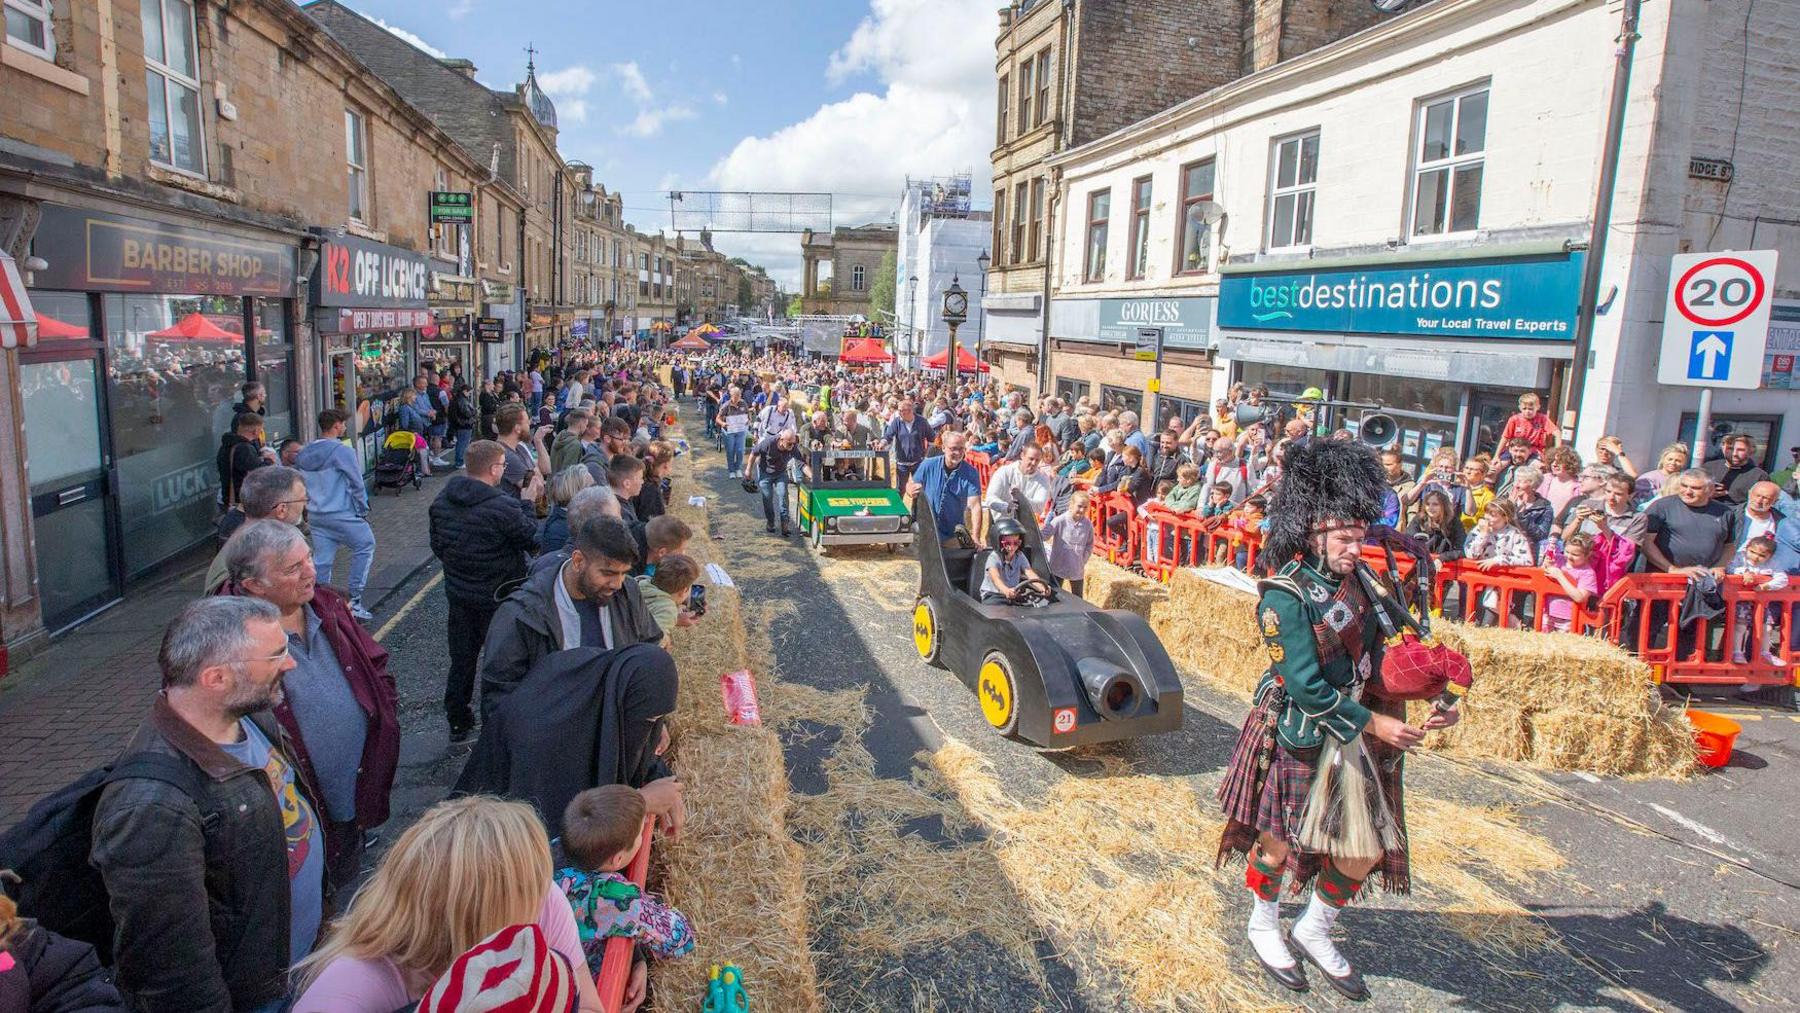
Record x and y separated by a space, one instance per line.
49 848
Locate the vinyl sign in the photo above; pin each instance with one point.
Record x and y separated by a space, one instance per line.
1533 298
360 273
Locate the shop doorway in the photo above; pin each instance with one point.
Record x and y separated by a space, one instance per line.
1488 411
72 504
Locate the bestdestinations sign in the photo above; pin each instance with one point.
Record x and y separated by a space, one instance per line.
1524 297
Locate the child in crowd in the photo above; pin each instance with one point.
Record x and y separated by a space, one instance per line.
1496 541
666 593
1578 578
1154 539
1069 541
1530 424
1477 494
665 535
1247 520
1218 500
1752 564
602 829
1188 492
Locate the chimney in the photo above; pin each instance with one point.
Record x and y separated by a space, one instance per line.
464 67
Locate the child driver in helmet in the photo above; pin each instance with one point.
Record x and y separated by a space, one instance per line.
1010 579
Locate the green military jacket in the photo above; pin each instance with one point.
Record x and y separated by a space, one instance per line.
1321 698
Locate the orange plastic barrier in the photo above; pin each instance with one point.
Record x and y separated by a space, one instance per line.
1642 612
615 964
983 465
1520 595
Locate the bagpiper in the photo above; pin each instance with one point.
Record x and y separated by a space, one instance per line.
1313 791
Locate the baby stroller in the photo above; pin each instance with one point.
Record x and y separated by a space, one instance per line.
398 463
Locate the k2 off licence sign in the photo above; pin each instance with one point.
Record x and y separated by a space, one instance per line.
1716 322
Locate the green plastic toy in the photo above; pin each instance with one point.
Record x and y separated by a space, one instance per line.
725 991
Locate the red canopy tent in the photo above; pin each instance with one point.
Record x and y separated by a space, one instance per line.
965 363
195 327
50 327
691 343
864 352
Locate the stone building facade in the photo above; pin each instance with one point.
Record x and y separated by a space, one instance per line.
1067 73
1344 241
179 243
853 255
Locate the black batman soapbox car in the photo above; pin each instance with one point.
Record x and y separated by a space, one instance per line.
1059 674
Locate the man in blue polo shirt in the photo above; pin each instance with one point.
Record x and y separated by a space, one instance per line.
908 436
950 485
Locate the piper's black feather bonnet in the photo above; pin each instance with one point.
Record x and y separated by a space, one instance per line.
1322 480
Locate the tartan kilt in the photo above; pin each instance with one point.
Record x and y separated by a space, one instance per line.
1255 801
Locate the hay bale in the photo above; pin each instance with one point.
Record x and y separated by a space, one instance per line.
735 870
1552 700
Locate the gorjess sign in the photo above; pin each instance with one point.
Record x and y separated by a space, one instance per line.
1525 297
1185 323
96 251
357 272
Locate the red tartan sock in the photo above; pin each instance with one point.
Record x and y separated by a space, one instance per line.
1335 888
1263 879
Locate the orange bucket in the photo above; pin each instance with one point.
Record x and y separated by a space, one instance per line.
1715 736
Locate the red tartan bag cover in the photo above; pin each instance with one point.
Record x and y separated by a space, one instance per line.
1420 668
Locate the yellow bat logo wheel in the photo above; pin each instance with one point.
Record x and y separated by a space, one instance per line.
925 631
994 688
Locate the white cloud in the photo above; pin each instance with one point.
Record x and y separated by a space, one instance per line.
651 117
406 36
460 9
933 116
650 122
569 87
720 98
632 79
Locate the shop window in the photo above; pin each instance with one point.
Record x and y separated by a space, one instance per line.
1763 430
58 400
29 27
174 366
1070 391
1447 165
357 160
275 366
1293 178
1194 246
172 73
1176 408
1099 211
1139 241
1121 399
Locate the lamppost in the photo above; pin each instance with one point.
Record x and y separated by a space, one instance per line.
912 330
981 323
956 310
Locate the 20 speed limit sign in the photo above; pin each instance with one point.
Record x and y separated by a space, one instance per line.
1716 323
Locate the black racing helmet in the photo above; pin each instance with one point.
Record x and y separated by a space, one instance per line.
1005 526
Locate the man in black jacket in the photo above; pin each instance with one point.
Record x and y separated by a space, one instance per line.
483 535
215 895
588 601
241 451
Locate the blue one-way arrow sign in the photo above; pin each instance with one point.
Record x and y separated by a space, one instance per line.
1709 356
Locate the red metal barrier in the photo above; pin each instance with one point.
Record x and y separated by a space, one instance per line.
615 964
1642 614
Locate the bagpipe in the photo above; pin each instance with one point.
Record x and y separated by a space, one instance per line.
1347 812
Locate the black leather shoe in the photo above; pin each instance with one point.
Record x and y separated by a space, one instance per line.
1350 986
785 533
1292 977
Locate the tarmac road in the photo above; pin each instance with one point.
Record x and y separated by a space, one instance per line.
1643 917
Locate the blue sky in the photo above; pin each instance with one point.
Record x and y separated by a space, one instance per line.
847 96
